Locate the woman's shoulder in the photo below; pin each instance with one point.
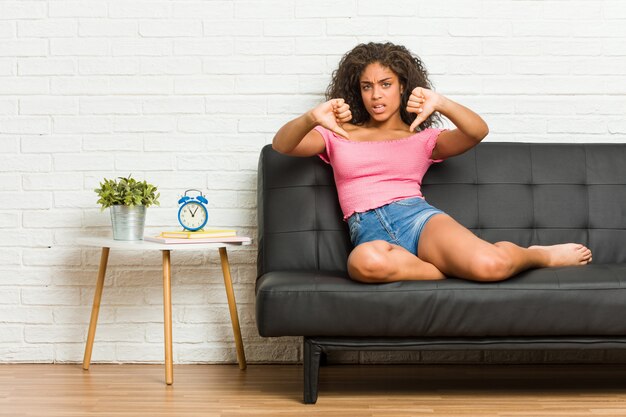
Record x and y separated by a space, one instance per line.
364 134
360 134
329 134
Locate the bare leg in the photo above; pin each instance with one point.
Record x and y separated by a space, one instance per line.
380 261
566 254
458 252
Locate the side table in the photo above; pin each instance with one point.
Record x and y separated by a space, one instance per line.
108 243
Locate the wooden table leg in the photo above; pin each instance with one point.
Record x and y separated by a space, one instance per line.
232 305
104 258
167 320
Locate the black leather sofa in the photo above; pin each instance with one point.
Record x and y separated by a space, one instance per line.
521 192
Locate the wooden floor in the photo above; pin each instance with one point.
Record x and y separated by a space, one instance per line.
345 390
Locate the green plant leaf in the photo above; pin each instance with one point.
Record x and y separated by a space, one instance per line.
126 191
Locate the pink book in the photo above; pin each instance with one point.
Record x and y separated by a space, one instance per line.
169 240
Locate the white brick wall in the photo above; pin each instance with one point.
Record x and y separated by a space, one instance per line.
185 93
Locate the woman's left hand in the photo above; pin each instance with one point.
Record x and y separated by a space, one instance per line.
422 102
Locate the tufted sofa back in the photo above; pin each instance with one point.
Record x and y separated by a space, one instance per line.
525 193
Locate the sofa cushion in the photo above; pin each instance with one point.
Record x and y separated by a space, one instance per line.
548 301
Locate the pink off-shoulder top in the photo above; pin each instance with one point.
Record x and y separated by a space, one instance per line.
371 174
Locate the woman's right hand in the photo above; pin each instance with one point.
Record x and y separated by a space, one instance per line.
332 114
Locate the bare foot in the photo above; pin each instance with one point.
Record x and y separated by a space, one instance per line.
566 254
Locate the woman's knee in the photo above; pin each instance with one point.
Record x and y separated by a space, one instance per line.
492 265
369 262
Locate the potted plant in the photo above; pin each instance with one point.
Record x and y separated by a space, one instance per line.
128 200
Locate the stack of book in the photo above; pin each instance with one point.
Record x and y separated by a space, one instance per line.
200 236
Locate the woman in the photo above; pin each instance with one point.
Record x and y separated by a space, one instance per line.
379 95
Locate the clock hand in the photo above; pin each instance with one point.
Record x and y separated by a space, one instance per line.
194 213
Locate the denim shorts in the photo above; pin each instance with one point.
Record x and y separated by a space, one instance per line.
399 223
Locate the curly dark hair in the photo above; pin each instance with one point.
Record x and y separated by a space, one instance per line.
408 67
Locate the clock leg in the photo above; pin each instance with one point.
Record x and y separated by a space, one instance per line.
232 305
167 319
104 258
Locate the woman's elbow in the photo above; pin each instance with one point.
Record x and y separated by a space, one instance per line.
486 132
483 132
278 147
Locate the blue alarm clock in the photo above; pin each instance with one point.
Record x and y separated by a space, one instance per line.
193 214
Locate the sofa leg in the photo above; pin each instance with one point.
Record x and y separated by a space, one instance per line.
312 356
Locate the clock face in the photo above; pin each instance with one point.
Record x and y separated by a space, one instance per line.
192 215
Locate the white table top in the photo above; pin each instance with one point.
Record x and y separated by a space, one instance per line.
108 242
